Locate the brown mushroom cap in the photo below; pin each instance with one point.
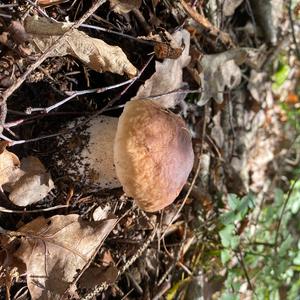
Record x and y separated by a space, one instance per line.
153 154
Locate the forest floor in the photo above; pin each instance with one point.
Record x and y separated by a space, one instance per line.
230 69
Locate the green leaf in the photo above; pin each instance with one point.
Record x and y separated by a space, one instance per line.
226 255
228 218
233 201
229 297
226 235
285 246
234 242
280 76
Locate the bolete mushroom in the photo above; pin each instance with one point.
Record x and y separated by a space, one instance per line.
153 154
148 151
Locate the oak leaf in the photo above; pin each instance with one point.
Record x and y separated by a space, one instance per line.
9 162
56 249
94 53
168 75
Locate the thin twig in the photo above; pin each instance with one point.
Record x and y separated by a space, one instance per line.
99 289
207 25
8 92
79 93
80 124
283 212
293 29
5 210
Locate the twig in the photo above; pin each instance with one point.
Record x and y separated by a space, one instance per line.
5 210
207 25
99 289
79 93
241 262
8 92
293 29
283 211
62 132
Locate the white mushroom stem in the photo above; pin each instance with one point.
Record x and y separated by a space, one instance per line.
89 154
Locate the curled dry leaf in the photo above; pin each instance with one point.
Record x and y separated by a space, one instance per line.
168 75
30 184
9 162
31 188
55 249
124 6
94 53
219 71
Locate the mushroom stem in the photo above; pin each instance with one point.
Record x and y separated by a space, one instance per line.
89 157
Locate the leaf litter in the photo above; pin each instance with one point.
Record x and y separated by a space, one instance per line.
237 137
55 249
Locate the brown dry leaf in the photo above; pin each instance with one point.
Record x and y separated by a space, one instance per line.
220 71
168 75
31 188
55 249
9 162
31 183
18 33
124 6
94 53
229 7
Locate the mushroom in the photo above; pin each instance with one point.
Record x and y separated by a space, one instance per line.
153 154
86 155
148 151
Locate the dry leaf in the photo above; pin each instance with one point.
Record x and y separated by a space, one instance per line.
218 72
95 276
94 53
124 6
268 14
18 33
9 162
30 183
168 75
31 188
55 249
229 7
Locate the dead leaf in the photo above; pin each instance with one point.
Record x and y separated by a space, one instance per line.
55 249
219 71
30 183
95 276
168 75
124 6
18 33
9 162
268 15
229 7
31 188
94 53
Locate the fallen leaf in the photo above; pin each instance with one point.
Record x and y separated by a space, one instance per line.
168 76
124 6
9 162
30 183
229 6
219 71
95 276
94 53
18 33
55 249
268 15
31 188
